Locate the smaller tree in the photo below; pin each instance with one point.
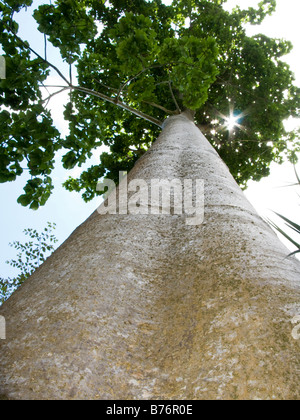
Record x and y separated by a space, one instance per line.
30 256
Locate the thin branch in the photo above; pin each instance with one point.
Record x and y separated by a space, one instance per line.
167 111
44 86
112 101
130 79
89 91
53 94
54 86
166 82
26 44
174 99
70 73
107 87
45 46
119 104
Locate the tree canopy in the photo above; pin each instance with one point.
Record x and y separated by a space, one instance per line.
137 62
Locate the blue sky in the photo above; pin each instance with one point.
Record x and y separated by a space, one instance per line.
68 210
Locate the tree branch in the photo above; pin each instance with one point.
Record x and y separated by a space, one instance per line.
110 100
37 54
119 104
167 111
107 87
53 94
135 77
70 74
174 99
45 46
127 83
89 91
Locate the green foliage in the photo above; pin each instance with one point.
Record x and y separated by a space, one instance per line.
67 24
256 16
30 256
192 64
153 58
27 135
17 5
134 33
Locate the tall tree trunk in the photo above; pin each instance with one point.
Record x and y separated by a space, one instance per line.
148 307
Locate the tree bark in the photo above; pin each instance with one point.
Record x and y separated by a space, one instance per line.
148 307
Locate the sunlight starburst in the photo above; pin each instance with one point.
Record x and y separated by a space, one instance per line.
233 120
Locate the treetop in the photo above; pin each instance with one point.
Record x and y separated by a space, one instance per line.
138 62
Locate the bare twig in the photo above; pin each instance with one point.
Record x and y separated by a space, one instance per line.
130 79
174 99
54 86
45 46
70 73
119 104
107 87
165 82
167 111
26 44
110 100
54 94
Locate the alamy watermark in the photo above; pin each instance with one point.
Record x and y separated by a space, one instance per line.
296 329
2 68
157 196
2 328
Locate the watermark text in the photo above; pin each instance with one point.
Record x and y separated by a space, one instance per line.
2 328
155 197
296 329
2 68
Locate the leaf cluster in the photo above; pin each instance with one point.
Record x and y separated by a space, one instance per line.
68 26
28 138
30 256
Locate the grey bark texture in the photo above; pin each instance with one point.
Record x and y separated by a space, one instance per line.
147 307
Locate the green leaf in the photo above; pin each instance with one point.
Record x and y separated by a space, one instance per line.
24 200
34 205
291 224
284 234
69 160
